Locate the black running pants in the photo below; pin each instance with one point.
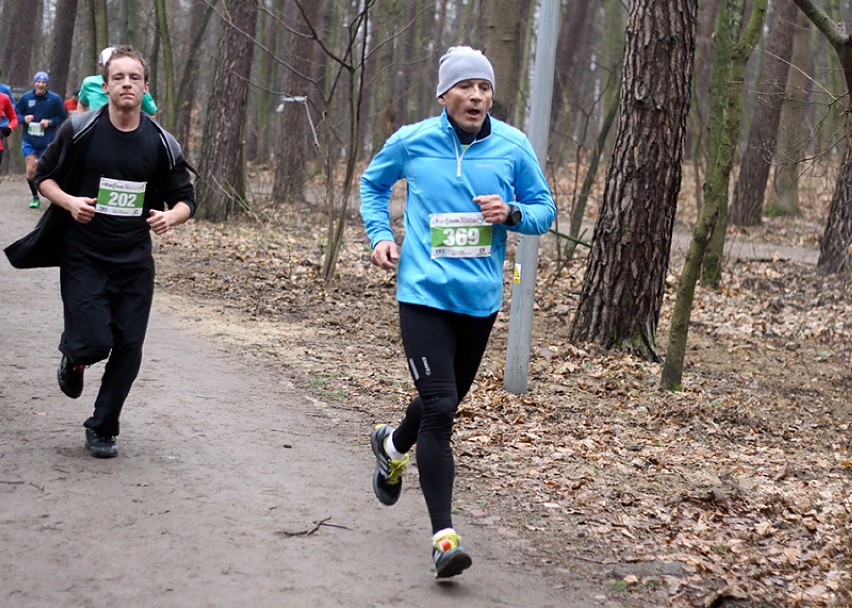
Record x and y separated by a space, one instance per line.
443 350
106 308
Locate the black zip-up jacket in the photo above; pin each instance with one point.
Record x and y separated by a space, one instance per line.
61 161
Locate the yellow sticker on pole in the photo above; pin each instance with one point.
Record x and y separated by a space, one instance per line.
517 273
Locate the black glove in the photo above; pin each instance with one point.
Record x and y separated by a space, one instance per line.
6 131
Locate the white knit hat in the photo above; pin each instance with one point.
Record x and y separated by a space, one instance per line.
463 63
105 55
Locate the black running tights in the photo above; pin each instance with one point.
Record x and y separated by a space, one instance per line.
443 350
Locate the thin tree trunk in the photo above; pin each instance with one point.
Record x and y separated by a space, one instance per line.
835 252
356 43
500 41
579 208
167 112
295 143
728 24
717 180
99 11
221 185
185 101
750 188
784 194
575 21
18 47
383 70
62 42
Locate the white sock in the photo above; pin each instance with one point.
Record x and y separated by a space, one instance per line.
390 449
441 533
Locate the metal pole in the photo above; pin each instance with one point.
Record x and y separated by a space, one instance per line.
526 259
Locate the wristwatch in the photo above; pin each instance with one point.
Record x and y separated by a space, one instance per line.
514 216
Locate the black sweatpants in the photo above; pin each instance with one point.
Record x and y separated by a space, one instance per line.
106 308
443 350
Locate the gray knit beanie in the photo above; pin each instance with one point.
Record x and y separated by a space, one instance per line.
463 63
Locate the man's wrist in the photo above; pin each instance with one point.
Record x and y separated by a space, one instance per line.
514 216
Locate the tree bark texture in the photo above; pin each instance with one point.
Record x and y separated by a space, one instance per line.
835 252
729 22
576 21
835 249
18 47
382 69
736 52
220 189
61 42
625 277
750 188
500 40
790 146
295 142
200 15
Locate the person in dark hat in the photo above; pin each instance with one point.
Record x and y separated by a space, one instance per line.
472 179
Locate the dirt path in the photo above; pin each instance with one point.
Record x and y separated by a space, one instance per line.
220 460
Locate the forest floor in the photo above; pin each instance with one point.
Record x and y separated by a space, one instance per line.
733 492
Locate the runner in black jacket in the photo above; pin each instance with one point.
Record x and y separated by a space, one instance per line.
112 176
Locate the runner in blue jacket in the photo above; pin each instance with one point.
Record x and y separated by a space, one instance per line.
471 179
40 112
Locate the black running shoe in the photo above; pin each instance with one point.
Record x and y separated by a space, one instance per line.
449 556
70 377
387 476
101 446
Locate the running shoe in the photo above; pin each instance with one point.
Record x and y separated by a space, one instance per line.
101 446
449 556
34 204
387 477
70 377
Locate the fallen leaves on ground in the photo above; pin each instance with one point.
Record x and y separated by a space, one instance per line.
736 489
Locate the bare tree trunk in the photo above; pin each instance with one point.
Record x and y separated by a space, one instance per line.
404 59
575 21
500 40
750 188
199 21
60 50
736 53
221 185
295 143
99 11
789 149
167 112
835 249
835 252
353 71
728 24
625 277
18 47
88 38
383 70
133 34
696 143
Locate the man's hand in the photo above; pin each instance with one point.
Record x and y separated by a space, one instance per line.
159 221
82 208
494 209
6 131
385 255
